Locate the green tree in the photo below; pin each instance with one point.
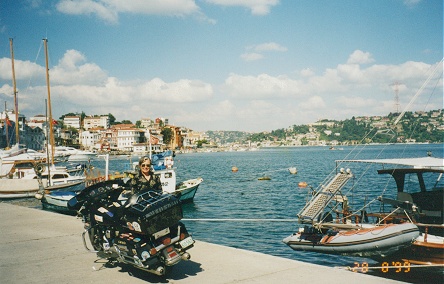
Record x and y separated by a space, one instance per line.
200 142
68 114
301 129
125 121
167 135
112 119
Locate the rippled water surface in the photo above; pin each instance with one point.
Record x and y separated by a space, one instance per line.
237 196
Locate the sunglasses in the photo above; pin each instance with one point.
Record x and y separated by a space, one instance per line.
145 165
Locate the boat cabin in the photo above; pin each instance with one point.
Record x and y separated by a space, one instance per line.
423 188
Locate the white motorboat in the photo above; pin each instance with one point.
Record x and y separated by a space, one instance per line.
74 154
56 178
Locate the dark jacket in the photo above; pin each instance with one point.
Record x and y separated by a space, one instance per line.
139 183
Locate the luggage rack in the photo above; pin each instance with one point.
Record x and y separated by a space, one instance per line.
148 199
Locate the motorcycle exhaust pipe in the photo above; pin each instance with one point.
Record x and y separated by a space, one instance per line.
186 256
160 271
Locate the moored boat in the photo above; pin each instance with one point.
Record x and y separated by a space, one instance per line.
363 241
187 189
58 201
408 227
18 188
163 166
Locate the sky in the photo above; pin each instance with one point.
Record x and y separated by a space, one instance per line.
244 65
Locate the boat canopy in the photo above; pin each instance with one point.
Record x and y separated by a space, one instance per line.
424 162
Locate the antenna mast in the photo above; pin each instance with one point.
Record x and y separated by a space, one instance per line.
396 89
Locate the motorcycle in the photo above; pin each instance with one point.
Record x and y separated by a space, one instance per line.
141 229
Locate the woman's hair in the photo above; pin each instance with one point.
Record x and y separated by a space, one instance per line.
143 159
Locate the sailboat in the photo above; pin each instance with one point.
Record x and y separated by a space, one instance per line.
24 175
56 177
14 164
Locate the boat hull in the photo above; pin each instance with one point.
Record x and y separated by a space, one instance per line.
427 250
18 188
188 189
58 201
376 242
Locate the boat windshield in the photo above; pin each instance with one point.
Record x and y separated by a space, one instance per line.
427 181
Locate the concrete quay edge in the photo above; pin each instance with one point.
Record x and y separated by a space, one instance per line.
44 247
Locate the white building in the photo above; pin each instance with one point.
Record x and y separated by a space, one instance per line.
38 120
127 137
89 139
145 122
72 121
95 122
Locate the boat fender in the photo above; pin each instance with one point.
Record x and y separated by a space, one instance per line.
39 168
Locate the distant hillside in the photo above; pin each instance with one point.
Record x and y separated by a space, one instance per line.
225 137
416 126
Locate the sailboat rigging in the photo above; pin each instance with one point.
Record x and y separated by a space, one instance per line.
14 86
51 133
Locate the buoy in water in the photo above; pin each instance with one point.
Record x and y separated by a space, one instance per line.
264 178
302 184
293 170
234 169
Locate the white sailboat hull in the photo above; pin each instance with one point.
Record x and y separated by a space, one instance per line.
18 188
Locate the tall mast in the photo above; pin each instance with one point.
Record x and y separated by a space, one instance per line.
17 134
51 133
6 128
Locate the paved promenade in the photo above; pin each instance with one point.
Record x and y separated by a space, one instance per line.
43 247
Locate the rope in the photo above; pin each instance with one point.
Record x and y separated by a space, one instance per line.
239 220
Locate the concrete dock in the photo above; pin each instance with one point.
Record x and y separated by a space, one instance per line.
44 247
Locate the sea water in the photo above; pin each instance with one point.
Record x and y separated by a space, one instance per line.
237 209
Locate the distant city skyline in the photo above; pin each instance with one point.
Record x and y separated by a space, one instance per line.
223 65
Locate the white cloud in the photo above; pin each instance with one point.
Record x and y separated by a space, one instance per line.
257 7
108 10
307 72
360 57
243 102
269 46
315 102
251 56
262 86
182 91
88 7
411 3
24 70
356 102
6 89
72 70
257 50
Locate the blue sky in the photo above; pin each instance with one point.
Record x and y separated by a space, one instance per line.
249 65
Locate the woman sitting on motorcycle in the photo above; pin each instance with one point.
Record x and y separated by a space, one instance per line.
145 179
